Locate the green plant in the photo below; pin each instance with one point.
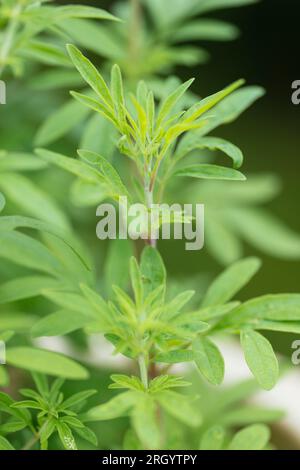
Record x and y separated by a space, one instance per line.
151 134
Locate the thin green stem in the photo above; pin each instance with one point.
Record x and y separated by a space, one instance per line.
34 438
143 371
9 36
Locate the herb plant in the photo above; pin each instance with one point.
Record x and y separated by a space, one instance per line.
140 135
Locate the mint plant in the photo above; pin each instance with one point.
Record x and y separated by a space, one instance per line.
152 132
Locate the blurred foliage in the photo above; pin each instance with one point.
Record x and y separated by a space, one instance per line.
49 257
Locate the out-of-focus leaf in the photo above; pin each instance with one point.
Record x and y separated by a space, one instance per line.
180 407
60 323
231 281
114 408
76 167
32 199
207 171
265 232
61 122
47 362
205 29
209 360
210 5
260 358
272 307
213 439
16 321
98 38
25 251
176 356
20 161
221 242
254 437
45 53
99 136
5 444
144 420
26 287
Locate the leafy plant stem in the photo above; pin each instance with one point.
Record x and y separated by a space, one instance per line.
9 35
34 438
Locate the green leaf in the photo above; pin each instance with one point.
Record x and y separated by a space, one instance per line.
253 437
214 143
20 161
47 362
76 167
5 444
209 360
144 420
250 415
77 398
169 103
205 30
152 269
60 122
114 408
196 111
180 407
90 74
66 436
173 308
115 186
45 53
116 264
207 171
210 5
47 430
175 356
274 307
215 311
223 244
265 232
213 439
95 37
117 91
284 327
228 110
61 323
25 251
16 321
87 434
260 358
11 223
136 281
70 301
26 287
99 136
82 11
95 106
32 199
231 281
